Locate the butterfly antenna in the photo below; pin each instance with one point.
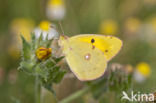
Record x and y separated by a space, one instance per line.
61 27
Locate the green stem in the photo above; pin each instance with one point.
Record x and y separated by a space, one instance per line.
37 90
75 95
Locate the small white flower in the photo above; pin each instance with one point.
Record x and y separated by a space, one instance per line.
142 72
55 10
46 29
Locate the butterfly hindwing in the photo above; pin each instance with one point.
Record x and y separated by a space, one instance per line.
86 63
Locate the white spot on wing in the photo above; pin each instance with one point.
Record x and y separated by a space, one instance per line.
87 56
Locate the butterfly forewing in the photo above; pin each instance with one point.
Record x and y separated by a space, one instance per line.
109 45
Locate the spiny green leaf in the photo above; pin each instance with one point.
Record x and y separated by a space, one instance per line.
33 41
48 43
58 59
42 71
26 51
41 37
33 38
39 41
27 67
47 37
59 76
49 63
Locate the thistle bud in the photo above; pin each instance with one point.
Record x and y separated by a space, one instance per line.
43 53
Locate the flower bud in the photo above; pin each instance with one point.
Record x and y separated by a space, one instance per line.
43 53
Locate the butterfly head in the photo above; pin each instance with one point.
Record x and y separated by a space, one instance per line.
62 39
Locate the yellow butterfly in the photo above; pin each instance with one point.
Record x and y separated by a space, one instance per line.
87 54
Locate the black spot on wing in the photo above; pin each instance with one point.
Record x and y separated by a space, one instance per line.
92 40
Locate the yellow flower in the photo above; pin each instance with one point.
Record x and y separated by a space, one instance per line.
18 27
56 2
43 53
132 25
45 25
144 69
109 27
55 10
21 26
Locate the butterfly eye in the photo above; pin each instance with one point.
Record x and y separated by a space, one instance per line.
92 40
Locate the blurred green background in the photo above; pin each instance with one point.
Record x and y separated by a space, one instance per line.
133 21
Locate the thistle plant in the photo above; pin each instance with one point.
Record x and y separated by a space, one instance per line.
39 61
